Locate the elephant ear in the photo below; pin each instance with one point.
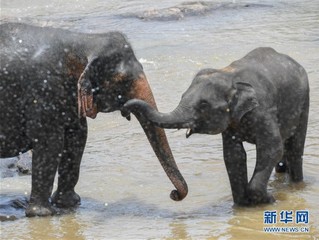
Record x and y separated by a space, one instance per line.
86 105
243 100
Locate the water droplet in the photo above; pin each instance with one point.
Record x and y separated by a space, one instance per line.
105 204
20 41
233 137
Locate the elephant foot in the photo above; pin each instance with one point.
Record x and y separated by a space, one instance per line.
34 210
259 197
65 199
253 197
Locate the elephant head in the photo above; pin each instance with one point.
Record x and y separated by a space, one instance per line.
113 76
213 102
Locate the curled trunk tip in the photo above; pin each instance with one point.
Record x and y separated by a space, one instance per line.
178 195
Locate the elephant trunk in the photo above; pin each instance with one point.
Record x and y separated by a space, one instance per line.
174 119
157 138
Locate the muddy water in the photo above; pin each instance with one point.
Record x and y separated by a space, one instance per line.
125 193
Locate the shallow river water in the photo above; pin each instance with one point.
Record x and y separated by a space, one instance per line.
124 190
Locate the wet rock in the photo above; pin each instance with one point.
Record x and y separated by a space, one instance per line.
20 203
166 14
24 163
10 167
11 210
4 218
197 8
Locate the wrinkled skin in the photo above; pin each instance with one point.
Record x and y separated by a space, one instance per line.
51 79
262 99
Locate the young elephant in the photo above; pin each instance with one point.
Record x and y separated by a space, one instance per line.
50 79
263 99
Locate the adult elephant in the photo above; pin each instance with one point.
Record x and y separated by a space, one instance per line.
50 80
263 99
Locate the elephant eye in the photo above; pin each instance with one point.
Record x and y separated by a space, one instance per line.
203 104
120 98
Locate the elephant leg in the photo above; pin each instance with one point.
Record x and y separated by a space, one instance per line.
295 149
235 161
47 152
69 167
269 151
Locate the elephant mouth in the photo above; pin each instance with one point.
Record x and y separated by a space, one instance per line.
211 131
189 132
92 112
106 110
105 107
